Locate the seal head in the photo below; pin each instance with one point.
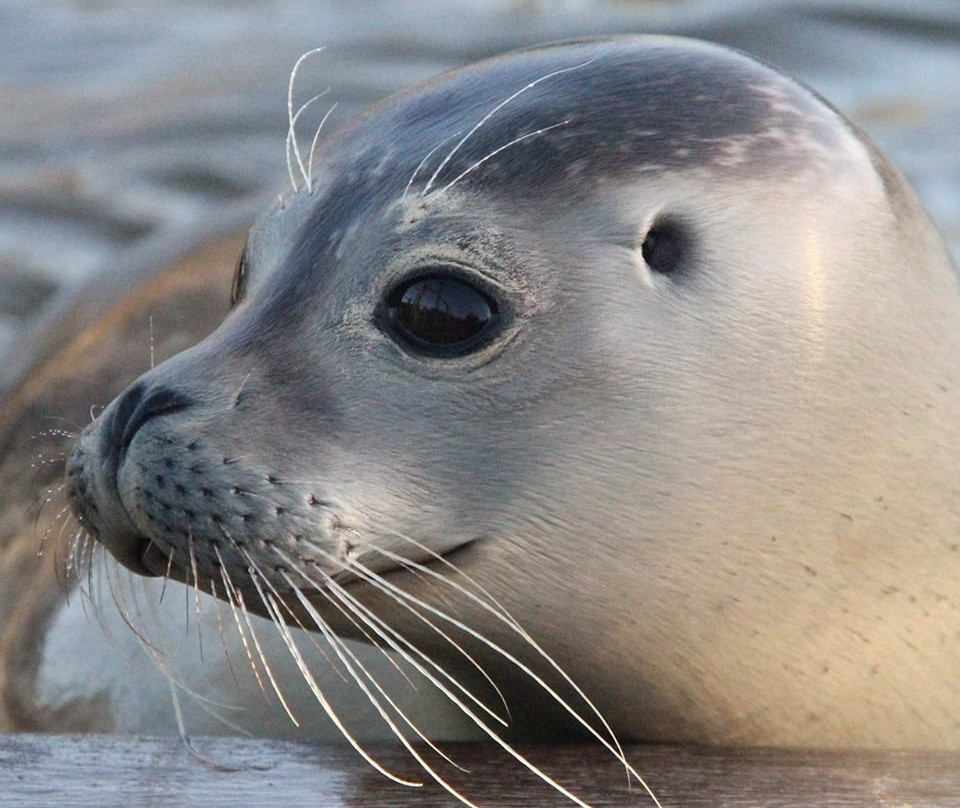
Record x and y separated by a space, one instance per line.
639 336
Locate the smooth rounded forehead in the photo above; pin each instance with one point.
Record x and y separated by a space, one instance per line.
614 107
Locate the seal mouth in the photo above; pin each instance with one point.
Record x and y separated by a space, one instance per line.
131 552
146 557
158 563
452 561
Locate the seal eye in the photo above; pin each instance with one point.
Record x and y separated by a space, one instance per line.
238 290
665 246
441 314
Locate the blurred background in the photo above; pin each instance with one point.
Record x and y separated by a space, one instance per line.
133 130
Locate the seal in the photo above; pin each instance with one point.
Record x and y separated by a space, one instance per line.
610 386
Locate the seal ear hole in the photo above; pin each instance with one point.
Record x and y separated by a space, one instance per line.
665 246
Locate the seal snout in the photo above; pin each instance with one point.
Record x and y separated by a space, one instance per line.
137 405
124 543
94 468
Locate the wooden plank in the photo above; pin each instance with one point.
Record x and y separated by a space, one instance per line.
104 771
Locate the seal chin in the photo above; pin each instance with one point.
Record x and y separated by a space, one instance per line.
153 560
133 552
103 516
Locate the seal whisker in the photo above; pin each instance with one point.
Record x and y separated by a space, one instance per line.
492 604
494 153
372 579
85 582
192 555
152 345
293 144
238 594
71 555
243 383
360 627
310 635
337 644
166 574
471 715
423 162
230 596
61 550
308 677
63 517
313 146
477 126
65 433
368 615
393 637
292 120
218 617
499 612
345 655
90 587
612 745
359 622
341 647
126 612
153 649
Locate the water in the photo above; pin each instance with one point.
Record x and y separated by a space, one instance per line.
130 130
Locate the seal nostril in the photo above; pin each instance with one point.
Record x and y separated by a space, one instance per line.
138 405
